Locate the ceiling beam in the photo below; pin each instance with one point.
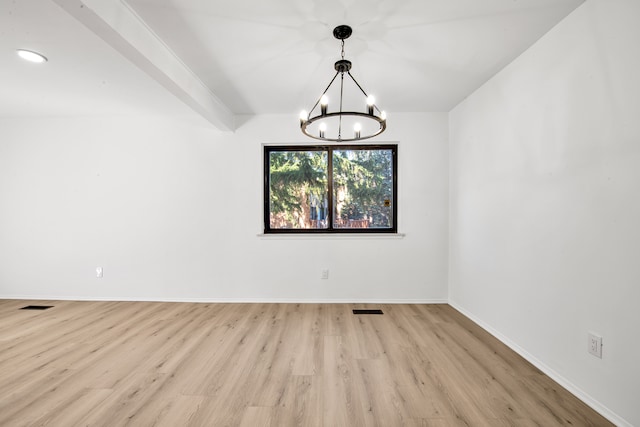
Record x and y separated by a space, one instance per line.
118 25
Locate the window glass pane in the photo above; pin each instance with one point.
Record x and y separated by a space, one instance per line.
363 188
298 189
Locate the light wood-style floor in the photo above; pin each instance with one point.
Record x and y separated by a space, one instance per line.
180 364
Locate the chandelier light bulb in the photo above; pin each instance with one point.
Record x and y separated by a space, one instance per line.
323 129
356 130
383 115
371 100
303 116
324 101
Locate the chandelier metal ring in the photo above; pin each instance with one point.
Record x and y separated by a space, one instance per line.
383 125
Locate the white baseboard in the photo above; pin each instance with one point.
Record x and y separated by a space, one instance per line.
572 388
227 300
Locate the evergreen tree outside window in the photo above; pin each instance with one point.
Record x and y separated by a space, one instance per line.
330 189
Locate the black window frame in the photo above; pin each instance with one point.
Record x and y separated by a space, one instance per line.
329 149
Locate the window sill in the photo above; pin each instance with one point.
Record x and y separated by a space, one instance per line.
331 236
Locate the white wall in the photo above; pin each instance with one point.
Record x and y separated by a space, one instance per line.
171 211
545 204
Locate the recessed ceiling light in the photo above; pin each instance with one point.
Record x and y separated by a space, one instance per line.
31 56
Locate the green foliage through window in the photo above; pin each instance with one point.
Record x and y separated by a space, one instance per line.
330 188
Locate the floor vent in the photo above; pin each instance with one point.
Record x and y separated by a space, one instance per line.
376 311
36 307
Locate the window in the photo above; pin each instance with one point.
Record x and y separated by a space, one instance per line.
330 189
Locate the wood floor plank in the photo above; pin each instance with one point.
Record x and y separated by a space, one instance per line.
387 406
126 404
257 416
76 406
170 410
21 404
182 364
301 404
345 401
309 339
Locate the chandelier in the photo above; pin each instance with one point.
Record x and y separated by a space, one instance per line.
341 124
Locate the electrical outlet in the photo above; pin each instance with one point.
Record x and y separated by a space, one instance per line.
595 345
324 274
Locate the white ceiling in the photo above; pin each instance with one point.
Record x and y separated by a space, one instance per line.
84 75
221 58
